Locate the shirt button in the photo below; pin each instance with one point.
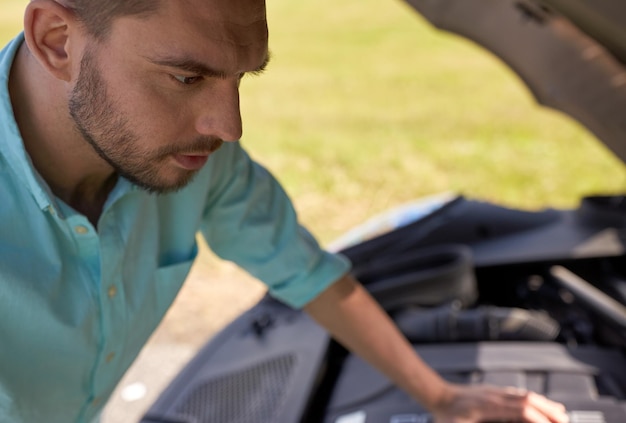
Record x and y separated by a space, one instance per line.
81 230
112 291
110 356
96 401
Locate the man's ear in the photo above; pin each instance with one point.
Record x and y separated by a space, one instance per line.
47 29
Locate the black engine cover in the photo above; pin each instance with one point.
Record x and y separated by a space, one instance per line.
590 381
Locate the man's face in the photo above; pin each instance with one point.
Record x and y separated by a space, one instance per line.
160 94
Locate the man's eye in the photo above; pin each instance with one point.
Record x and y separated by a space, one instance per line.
187 80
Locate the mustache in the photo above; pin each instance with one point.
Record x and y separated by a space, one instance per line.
200 145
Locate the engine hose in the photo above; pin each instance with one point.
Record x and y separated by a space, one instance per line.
448 324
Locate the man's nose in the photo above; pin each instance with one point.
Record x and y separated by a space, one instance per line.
219 114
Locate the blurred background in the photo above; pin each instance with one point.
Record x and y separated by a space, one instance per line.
365 107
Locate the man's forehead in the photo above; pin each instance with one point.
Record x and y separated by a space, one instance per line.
220 35
238 12
240 22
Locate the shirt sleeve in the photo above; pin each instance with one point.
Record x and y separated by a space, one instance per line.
250 220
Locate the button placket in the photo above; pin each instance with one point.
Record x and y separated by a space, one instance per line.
87 244
95 402
112 302
112 291
81 229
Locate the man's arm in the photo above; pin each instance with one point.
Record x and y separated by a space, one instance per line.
354 319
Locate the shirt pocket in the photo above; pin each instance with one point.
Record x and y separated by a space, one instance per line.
169 280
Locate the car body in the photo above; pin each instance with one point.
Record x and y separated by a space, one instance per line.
484 293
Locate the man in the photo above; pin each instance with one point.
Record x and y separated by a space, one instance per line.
118 133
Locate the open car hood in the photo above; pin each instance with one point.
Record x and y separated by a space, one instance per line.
582 35
485 294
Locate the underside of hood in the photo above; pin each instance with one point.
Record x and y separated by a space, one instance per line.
570 53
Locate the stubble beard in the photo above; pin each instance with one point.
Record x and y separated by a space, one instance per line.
108 132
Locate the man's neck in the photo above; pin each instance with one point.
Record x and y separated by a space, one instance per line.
74 172
86 199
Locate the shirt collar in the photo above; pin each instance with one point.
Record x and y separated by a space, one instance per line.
12 145
17 158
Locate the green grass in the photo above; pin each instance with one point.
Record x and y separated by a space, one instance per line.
365 106
11 18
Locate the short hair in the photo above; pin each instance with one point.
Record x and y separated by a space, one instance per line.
97 15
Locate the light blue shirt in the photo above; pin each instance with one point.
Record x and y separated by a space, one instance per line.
77 303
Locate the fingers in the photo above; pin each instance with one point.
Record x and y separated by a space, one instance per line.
553 410
482 403
535 408
535 416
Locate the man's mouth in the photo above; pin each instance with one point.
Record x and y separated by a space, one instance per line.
194 160
191 161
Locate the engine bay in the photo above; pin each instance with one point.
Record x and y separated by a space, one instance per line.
485 294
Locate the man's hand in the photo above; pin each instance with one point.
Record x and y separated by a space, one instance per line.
354 318
486 403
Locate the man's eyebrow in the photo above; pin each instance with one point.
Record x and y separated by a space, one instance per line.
198 68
